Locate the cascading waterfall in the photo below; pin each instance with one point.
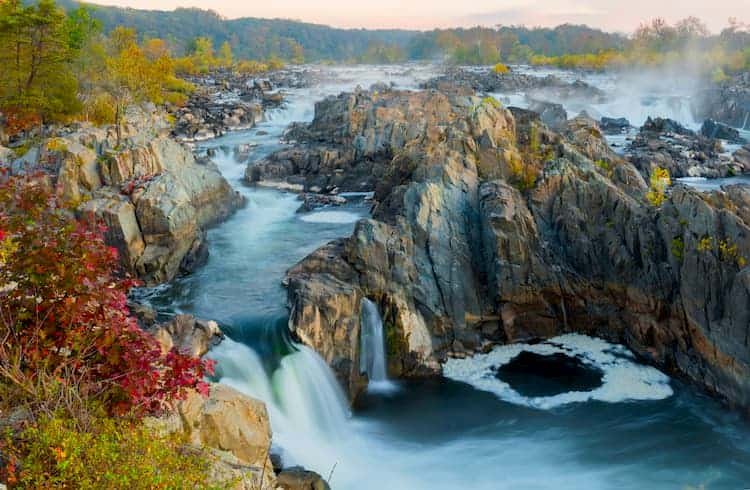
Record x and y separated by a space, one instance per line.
744 123
372 359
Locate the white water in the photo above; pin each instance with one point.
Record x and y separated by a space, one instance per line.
441 434
331 217
624 378
372 349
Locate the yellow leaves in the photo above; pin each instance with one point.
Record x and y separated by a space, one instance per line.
8 247
501 68
659 182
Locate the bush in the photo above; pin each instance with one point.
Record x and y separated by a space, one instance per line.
501 68
111 454
68 339
659 182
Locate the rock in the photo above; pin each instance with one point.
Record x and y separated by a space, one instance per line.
230 431
154 197
613 126
727 102
231 422
715 130
551 114
312 201
488 81
663 143
188 335
123 231
487 226
297 478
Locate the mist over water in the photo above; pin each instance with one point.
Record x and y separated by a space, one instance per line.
644 431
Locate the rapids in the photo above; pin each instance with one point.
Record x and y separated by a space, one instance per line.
638 430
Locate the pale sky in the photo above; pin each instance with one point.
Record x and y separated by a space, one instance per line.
614 15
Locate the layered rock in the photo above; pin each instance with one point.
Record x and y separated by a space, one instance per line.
154 197
490 227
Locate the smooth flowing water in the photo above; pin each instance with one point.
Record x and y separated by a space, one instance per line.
477 427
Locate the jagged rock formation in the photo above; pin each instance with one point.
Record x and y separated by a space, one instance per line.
727 102
152 194
666 144
489 226
488 81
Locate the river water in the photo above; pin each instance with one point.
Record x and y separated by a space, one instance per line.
633 429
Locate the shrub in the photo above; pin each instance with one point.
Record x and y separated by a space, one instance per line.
67 337
111 453
659 182
501 68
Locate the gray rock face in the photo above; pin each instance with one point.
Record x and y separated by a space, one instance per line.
727 102
489 227
666 144
150 192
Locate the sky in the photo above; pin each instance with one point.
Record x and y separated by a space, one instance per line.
612 15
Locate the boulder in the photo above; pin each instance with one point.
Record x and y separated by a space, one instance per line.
188 335
297 478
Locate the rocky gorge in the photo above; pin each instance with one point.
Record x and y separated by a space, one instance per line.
488 227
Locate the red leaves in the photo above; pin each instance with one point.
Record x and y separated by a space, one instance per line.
67 311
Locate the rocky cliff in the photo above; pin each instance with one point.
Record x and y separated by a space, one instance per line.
487 226
153 195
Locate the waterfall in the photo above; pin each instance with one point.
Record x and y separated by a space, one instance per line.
372 348
302 396
744 123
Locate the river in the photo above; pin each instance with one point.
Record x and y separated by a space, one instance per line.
634 429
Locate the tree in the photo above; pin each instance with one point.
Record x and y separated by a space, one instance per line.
203 54
225 57
38 48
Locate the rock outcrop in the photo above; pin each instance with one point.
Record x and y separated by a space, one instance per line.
666 144
154 197
487 226
547 87
727 102
231 432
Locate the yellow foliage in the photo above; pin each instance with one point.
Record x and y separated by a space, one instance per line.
659 182
112 454
501 68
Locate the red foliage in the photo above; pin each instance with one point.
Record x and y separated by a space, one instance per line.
63 311
18 121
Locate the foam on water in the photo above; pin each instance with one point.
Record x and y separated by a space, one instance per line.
340 217
624 379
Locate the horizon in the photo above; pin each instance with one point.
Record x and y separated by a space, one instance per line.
608 15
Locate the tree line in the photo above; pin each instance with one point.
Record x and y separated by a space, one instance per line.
59 66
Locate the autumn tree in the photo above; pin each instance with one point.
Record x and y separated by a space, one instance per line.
36 80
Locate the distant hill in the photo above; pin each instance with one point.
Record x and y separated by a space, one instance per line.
250 38
255 38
